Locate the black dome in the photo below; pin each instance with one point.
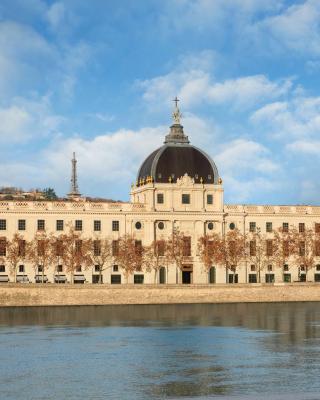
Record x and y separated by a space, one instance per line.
176 158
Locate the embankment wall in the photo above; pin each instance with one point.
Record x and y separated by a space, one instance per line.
65 295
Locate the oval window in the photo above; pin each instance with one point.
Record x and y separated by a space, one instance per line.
138 225
210 226
161 225
232 226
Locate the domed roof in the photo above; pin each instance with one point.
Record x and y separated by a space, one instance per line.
176 158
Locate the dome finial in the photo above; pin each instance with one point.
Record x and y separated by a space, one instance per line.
176 115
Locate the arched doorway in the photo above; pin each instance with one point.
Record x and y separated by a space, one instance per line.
162 275
212 275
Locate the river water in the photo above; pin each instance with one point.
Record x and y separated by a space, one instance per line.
236 351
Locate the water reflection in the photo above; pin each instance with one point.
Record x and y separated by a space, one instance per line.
156 352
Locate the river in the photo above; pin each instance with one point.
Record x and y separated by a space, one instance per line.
237 351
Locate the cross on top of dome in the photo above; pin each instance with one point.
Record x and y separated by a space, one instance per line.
176 115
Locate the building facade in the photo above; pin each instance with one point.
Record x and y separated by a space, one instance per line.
178 187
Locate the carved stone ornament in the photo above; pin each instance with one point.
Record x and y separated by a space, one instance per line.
185 180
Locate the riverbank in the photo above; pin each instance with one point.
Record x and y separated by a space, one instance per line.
67 295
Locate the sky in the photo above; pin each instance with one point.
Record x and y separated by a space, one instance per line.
98 78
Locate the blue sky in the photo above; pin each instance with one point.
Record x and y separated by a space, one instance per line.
97 77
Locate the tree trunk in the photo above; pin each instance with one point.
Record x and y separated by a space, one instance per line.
100 275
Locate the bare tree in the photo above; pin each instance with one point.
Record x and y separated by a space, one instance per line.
101 254
13 252
76 251
40 252
128 254
210 248
304 247
179 249
256 250
155 256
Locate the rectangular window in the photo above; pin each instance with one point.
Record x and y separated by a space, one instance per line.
41 225
22 248
317 248
3 247
97 268
252 226
138 247
3 224
21 224
269 278
285 248
115 226
186 198
40 268
2 268
302 248
115 279
317 227
268 226
115 268
115 247
287 278
21 268
269 249
78 268
269 267
138 279
59 224
252 267
78 225
97 226
252 247
60 268
160 198
285 227
97 247
286 267
301 227
252 278
186 246
209 199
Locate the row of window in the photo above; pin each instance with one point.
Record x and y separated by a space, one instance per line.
21 268
41 225
185 198
285 247
285 227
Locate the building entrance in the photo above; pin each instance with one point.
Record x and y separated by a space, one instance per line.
187 274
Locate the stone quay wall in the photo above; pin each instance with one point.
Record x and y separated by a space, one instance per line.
66 295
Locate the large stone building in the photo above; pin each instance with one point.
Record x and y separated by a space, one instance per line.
178 186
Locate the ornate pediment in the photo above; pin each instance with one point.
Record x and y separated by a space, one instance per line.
185 180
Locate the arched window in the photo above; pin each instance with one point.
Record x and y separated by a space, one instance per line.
162 275
212 275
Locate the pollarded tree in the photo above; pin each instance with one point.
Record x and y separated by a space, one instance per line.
101 254
210 249
40 252
76 251
13 252
128 254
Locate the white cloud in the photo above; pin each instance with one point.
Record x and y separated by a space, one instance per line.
197 85
296 28
297 117
305 147
56 13
27 119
